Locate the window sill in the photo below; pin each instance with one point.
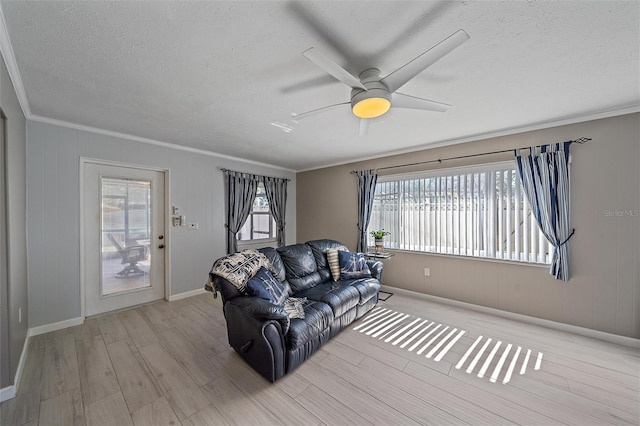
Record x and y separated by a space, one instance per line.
256 244
463 257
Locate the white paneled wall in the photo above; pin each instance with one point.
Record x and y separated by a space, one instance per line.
53 206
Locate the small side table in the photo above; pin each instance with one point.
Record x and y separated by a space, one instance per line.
372 255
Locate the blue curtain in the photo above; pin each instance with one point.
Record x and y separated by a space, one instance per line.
276 190
545 181
241 190
366 189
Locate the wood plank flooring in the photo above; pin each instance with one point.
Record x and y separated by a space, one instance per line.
169 363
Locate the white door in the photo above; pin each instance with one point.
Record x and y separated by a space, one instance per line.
123 231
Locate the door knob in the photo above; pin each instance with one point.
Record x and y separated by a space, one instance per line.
160 237
161 246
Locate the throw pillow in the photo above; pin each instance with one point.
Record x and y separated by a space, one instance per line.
264 286
334 264
294 307
353 266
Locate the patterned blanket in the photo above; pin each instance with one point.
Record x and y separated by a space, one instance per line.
238 268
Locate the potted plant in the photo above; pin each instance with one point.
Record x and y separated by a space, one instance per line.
378 236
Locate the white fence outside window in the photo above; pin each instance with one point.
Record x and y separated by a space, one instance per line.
473 211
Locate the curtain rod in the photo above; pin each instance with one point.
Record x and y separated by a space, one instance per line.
579 141
253 174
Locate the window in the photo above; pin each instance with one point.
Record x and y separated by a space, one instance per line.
473 211
260 225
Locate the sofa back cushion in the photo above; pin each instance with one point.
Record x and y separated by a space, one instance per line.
319 249
303 283
277 267
300 266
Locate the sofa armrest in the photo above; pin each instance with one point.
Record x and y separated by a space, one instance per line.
375 266
256 329
261 310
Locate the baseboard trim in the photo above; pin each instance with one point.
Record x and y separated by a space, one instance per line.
55 326
186 294
7 393
568 328
11 391
23 360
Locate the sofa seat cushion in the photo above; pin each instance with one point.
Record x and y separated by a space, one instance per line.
341 296
318 317
366 287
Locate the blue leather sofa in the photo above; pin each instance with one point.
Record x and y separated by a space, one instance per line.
262 332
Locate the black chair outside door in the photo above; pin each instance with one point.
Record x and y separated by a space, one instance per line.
131 255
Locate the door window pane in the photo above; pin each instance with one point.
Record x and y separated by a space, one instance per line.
125 230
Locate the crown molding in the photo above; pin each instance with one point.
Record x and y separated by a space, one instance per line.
12 66
111 133
507 131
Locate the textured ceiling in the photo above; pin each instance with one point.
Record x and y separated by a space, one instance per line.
214 75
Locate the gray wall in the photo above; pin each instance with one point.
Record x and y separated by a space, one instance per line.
16 289
604 291
196 186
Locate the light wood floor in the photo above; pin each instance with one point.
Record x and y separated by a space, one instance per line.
169 363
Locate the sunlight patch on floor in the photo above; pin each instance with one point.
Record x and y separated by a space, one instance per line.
405 330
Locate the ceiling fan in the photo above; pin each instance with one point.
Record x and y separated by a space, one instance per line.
372 96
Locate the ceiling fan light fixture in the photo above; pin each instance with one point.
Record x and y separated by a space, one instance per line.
370 103
371 107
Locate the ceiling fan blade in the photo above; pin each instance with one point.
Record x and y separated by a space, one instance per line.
399 100
332 68
303 115
364 126
312 83
402 75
